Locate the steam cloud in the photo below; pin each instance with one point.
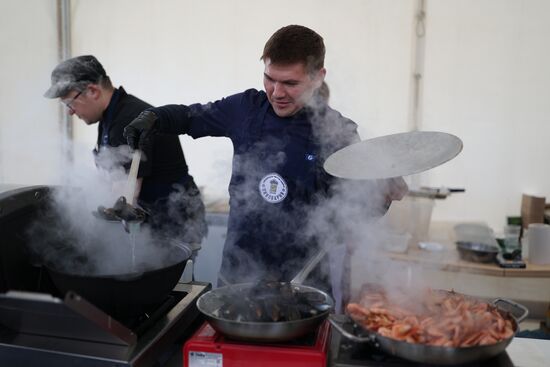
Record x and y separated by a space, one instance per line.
348 218
353 208
69 238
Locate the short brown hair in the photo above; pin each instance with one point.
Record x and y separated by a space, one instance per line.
293 44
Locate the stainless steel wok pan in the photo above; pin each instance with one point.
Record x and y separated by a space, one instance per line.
264 331
210 304
434 354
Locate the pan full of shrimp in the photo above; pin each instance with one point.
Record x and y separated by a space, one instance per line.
436 326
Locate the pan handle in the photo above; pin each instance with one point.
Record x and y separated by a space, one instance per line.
312 263
514 305
337 321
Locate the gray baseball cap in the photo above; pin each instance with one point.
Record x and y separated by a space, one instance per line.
75 73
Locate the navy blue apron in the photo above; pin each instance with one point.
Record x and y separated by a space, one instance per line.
266 229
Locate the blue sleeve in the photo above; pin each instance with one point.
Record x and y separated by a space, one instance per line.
220 118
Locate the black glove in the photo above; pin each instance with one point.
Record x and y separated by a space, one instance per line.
138 133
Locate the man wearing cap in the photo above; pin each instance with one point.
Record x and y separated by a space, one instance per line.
164 186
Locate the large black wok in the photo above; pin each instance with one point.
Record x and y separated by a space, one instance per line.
126 294
434 354
213 303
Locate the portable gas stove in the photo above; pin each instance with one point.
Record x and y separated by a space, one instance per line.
346 353
209 348
39 329
39 326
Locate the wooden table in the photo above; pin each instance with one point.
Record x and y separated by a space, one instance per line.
448 258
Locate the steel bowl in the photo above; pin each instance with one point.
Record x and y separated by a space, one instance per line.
477 252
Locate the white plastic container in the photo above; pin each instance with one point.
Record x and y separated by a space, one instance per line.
539 243
525 246
412 216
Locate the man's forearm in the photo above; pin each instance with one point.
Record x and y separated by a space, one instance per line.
172 119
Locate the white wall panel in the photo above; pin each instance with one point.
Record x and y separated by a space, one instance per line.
198 51
29 140
487 80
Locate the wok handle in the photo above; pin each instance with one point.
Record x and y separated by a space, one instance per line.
524 310
337 321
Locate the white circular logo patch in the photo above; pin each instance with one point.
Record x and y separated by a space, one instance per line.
273 188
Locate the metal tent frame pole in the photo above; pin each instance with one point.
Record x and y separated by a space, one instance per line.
64 52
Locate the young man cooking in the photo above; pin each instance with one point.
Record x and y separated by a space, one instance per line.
281 137
164 186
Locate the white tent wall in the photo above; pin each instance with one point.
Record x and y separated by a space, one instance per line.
29 124
485 79
198 51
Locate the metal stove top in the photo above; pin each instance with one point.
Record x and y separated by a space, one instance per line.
95 339
346 353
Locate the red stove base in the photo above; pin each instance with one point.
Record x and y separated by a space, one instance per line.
209 348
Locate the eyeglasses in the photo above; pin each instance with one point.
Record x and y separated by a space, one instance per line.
69 104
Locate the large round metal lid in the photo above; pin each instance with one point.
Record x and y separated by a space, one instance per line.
393 155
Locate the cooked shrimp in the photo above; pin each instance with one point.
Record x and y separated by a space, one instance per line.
442 319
